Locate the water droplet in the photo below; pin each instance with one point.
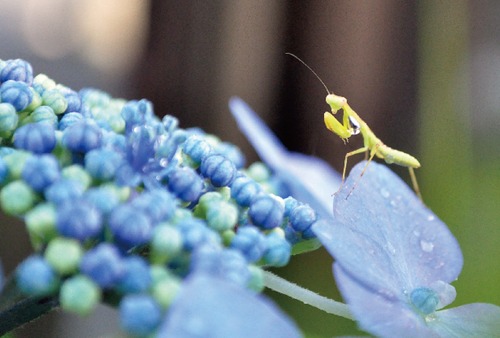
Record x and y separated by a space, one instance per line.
430 318
164 162
416 233
385 193
426 246
430 217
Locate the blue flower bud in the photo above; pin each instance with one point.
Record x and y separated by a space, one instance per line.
36 100
79 294
302 217
55 100
185 184
218 169
228 264
79 219
130 227
244 190
103 264
64 255
309 233
266 212
158 204
35 277
195 234
14 159
114 141
17 70
64 190
16 93
41 171
137 277
38 138
250 242
74 103
41 82
44 114
41 224
165 244
104 198
82 136
196 149
290 204
231 152
139 314
69 119
136 113
170 123
77 173
278 250
291 235
102 164
8 118
221 215
94 97
16 198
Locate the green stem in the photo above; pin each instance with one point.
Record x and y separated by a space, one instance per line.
17 309
295 291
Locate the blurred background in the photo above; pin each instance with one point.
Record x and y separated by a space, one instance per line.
424 75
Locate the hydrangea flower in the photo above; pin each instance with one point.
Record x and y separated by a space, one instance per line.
138 207
167 225
395 260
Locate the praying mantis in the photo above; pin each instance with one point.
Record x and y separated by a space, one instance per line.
351 125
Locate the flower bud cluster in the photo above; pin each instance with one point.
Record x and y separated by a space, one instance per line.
119 202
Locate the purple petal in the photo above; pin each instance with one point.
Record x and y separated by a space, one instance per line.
310 179
395 318
377 314
385 237
208 307
471 320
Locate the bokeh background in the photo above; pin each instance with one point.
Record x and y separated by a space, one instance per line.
424 75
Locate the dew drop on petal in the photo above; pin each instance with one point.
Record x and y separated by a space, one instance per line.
385 193
164 162
430 318
426 246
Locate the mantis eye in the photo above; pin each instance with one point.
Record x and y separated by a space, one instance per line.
356 128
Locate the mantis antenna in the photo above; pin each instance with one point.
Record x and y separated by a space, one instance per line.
312 71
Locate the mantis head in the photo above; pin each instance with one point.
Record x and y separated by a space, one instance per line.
335 102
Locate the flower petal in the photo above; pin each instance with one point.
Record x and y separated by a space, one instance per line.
471 320
310 179
377 314
384 236
209 307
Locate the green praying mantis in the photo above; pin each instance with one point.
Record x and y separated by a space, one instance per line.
351 125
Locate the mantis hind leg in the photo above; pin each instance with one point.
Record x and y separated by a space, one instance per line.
414 182
372 154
